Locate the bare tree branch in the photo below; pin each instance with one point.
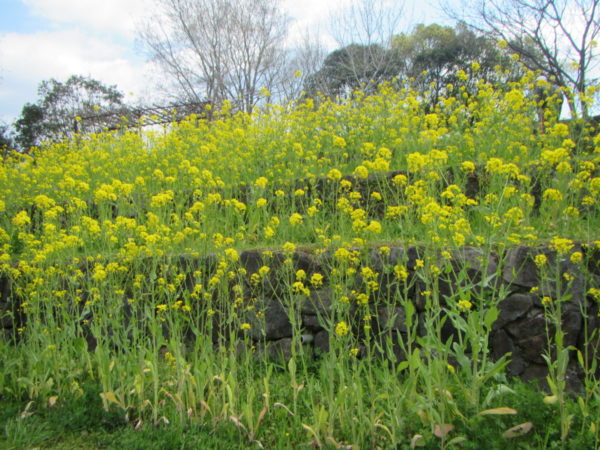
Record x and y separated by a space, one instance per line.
218 49
555 37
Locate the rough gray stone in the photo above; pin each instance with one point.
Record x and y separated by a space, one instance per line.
275 325
519 267
501 344
318 302
474 263
532 348
311 322
321 341
572 322
251 260
392 318
512 308
280 350
305 261
533 324
536 372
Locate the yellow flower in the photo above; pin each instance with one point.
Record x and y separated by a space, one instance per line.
232 255
395 212
245 326
334 174
298 287
464 305
546 301
261 182
21 219
400 180
342 329
417 161
316 280
374 227
552 194
594 293
339 142
576 257
468 166
401 272
361 172
289 247
295 219
263 271
300 275
44 202
540 260
384 250
561 245
261 202
269 232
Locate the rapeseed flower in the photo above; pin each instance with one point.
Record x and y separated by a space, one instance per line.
342 329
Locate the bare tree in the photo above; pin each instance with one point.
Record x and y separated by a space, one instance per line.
218 50
303 60
365 29
555 37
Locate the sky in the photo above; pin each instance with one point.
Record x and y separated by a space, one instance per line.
44 39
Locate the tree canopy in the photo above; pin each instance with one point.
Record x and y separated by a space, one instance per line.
429 59
434 57
54 116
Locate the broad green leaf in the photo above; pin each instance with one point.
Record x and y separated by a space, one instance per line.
490 316
402 366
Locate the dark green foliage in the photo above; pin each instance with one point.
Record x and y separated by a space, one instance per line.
6 140
428 59
54 116
352 67
432 56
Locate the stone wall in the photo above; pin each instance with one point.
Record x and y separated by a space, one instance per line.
511 278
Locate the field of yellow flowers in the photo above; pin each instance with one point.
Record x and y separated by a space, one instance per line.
99 237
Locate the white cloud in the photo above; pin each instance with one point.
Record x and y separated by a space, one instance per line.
27 59
108 16
312 17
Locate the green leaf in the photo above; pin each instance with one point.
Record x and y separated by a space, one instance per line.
415 359
456 440
460 355
496 368
490 316
580 358
80 345
402 366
